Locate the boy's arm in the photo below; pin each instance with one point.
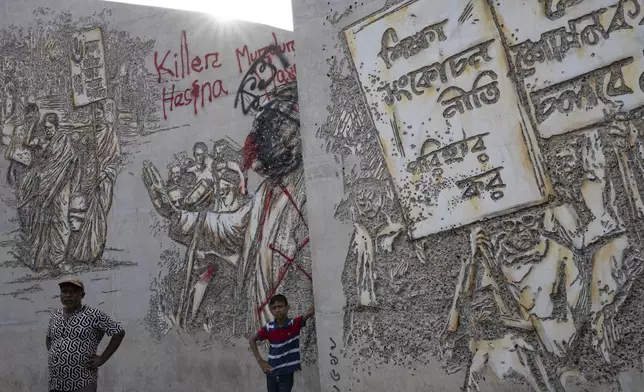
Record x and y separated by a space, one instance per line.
266 368
309 313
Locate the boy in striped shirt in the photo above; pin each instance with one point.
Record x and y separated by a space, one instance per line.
283 336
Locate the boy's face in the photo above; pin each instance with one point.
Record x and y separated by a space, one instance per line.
279 310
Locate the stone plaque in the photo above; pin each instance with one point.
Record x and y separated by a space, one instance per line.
579 61
456 141
87 61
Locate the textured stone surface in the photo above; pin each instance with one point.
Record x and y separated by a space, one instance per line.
505 296
130 196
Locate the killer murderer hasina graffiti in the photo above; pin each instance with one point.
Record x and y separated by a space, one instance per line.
69 92
493 175
241 246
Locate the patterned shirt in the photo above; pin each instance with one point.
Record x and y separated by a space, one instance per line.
73 342
284 348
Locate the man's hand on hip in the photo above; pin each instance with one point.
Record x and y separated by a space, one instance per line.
95 361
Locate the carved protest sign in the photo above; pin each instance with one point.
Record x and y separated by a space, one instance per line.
579 62
87 62
456 141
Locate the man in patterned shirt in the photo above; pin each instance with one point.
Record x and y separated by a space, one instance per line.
73 336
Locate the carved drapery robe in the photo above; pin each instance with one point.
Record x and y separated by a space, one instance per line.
93 231
45 195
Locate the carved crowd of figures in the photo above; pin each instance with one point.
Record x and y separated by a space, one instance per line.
535 287
210 181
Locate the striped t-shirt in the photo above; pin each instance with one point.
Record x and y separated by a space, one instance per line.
284 350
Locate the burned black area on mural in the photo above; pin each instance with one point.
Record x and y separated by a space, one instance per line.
77 98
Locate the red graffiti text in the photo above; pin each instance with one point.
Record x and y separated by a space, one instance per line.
196 96
283 76
247 57
175 66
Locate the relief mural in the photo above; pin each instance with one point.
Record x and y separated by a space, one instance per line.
493 175
75 93
80 102
242 246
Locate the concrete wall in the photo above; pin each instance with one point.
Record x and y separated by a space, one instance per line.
477 181
132 104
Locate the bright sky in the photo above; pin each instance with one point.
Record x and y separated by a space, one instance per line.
275 13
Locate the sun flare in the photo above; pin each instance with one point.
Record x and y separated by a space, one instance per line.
276 13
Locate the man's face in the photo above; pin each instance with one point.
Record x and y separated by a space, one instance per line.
71 295
50 130
523 234
566 159
369 202
200 155
279 310
175 173
226 192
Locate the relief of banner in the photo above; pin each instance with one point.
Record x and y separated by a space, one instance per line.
456 141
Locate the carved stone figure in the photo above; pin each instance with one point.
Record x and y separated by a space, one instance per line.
45 192
93 230
525 285
265 239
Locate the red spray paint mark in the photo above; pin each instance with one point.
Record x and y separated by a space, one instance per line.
207 275
250 152
289 260
290 198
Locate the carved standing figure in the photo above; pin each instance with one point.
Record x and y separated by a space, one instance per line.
524 293
45 192
93 231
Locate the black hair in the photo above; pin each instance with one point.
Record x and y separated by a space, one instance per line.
276 132
230 176
278 298
31 107
202 146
